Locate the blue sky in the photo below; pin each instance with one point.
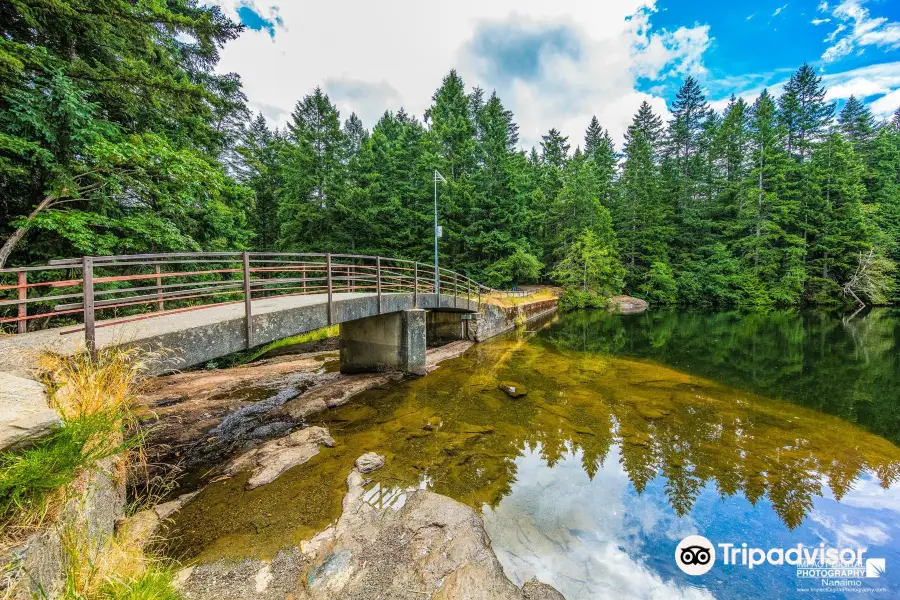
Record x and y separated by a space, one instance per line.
557 63
762 43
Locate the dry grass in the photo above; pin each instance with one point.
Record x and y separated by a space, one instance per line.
548 293
112 568
85 384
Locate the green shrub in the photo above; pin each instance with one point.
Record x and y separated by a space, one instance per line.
573 299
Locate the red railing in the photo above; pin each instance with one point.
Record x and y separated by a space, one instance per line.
130 287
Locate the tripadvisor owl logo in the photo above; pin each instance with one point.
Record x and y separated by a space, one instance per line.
695 555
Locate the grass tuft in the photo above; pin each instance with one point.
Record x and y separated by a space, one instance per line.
31 479
94 395
114 568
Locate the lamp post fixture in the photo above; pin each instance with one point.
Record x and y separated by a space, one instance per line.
437 233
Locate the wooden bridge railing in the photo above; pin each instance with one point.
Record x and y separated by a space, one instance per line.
132 287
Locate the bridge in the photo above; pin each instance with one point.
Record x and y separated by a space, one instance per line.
190 308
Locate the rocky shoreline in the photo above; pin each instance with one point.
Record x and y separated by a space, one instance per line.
386 544
417 545
197 421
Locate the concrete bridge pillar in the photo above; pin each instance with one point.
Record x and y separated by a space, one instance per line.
445 327
395 341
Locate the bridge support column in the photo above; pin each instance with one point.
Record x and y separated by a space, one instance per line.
394 341
444 327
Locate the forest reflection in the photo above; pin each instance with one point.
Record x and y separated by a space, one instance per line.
845 365
465 434
456 433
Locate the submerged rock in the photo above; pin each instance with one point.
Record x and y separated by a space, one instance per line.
369 462
512 389
626 305
428 546
535 590
274 458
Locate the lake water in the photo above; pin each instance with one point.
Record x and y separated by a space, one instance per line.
636 431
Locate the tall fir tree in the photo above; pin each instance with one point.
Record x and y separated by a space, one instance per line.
314 175
641 216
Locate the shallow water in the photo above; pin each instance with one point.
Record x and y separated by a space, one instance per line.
591 479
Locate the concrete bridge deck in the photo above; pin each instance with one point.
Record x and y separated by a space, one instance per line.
197 336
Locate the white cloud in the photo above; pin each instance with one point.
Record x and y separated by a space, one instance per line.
583 547
887 104
779 10
376 56
879 84
861 30
820 21
751 16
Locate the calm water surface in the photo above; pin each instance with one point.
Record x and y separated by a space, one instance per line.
636 431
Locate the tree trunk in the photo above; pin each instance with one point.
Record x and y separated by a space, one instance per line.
19 233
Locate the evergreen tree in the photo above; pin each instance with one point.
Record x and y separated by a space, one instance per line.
641 216
857 124
259 169
770 217
591 264
113 130
314 175
453 126
601 151
839 232
804 112
554 149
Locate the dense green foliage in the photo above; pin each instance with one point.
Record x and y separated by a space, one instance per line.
118 137
113 130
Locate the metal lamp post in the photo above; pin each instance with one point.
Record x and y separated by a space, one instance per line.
437 233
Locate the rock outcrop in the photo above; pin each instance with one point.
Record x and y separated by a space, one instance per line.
626 305
274 458
425 546
369 462
25 414
37 568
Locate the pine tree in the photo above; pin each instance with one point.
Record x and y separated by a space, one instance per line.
259 169
453 126
496 225
840 230
601 151
767 225
554 149
731 149
314 175
857 124
689 111
884 197
355 133
640 214
804 112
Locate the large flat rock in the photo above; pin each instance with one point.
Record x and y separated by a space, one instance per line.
25 414
391 544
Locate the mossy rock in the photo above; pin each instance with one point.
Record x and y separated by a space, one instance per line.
513 389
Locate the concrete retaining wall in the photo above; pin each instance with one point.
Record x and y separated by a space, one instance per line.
494 320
